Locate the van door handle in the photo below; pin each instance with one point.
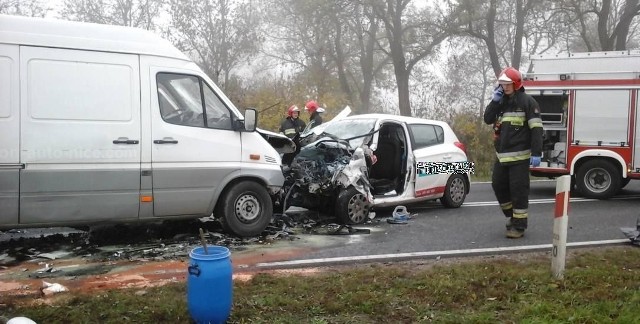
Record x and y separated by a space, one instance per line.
165 141
124 140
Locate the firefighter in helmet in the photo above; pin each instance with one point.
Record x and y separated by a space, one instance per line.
291 127
517 126
314 113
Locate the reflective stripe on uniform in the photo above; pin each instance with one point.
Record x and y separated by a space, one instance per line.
290 131
514 156
535 122
506 206
514 120
520 213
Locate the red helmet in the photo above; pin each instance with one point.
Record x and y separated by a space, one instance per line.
311 106
511 75
292 109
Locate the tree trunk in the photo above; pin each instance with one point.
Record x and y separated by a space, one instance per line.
603 22
491 40
340 64
622 30
367 64
517 46
404 104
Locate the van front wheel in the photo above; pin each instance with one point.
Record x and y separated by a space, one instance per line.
245 209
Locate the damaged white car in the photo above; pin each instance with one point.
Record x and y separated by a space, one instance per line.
353 164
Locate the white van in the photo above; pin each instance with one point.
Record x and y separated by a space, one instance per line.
114 124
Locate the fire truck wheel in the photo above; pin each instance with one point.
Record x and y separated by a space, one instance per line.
624 182
598 179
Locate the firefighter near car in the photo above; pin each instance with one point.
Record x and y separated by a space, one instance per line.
291 127
517 126
314 111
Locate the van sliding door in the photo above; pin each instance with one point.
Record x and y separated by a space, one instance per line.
80 130
9 131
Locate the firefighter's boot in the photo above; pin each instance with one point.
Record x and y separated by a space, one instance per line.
507 210
517 225
509 225
515 233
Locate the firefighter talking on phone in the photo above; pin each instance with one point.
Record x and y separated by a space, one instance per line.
517 126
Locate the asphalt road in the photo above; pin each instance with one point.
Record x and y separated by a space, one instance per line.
479 224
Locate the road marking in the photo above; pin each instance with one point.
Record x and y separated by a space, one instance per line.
488 182
424 255
532 201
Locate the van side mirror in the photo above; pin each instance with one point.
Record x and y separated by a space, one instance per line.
250 119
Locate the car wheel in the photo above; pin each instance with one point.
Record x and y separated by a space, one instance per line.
598 179
245 209
455 192
352 206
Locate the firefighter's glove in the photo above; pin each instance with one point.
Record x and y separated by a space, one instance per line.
497 93
535 161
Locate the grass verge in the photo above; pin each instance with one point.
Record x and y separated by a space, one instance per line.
600 286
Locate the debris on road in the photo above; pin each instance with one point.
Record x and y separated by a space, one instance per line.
400 216
633 233
52 288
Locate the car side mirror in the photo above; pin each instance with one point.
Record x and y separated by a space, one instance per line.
250 119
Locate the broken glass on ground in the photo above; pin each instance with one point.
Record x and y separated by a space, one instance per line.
99 250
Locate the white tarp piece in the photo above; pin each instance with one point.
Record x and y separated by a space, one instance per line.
52 288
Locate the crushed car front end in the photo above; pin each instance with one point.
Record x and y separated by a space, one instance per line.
331 166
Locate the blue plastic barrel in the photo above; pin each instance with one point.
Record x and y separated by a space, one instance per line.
210 285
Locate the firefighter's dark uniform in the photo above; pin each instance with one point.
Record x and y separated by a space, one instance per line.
517 137
314 120
292 127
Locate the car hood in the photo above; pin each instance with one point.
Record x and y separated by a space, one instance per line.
281 143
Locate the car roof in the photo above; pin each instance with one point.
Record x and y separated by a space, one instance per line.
55 33
404 119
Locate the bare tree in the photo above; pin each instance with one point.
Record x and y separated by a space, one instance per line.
506 26
412 36
357 30
220 34
602 25
31 8
304 34
132 13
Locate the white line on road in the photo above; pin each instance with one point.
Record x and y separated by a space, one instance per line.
532 201
423 255
539 180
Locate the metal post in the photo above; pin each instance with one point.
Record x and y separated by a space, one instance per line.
560 224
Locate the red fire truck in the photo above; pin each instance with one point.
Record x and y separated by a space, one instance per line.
589 109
